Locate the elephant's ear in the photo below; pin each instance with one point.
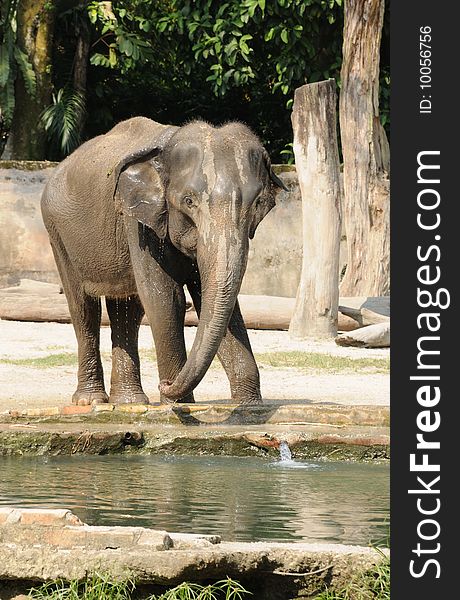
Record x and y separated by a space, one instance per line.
261 208
141 193
136 147
266 200
273 176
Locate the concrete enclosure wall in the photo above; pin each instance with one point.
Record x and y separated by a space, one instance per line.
25 251
275 254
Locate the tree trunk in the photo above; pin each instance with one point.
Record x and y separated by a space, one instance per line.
317 162
366 154
82 50
34 37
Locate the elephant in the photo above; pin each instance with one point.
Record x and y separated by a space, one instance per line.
135 215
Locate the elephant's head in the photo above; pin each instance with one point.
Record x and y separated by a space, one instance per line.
208 188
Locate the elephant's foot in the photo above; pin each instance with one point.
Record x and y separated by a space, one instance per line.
251 399
88 397
248 401
186 400
127 396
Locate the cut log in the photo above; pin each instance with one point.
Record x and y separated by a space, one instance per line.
374 336
41 302
363 316
366 154
318 168
377 304
39 309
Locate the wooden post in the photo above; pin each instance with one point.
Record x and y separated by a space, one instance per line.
366 154
317 163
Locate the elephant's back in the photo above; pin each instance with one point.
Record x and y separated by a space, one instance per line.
79 209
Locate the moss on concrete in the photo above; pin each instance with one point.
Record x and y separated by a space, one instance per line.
284 168
27 165
99 442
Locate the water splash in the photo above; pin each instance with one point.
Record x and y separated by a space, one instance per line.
285 452
286 461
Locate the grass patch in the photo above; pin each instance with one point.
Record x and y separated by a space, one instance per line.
370 585
226 589
54 347
316 361
102 587
95 587
44 362
304 361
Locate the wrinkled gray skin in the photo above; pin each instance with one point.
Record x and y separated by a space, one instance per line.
135 215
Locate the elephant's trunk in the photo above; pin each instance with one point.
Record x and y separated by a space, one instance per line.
221 269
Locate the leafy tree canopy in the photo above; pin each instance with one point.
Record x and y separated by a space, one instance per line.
177 60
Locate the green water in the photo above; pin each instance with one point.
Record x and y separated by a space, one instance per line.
241 499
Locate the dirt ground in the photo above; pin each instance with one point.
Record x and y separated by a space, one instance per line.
25 386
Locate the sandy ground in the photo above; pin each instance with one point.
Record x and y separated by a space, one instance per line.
26 386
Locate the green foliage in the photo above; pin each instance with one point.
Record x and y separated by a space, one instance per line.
12 61
275 43
122 40
174 60
103 587
178 60
62 119
371 585
226 589
95 587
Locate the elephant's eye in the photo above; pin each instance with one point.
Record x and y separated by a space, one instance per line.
189 201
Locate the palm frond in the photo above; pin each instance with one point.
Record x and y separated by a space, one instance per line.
62 120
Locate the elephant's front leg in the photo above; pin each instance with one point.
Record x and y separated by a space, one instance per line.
235 355
166 318
163 300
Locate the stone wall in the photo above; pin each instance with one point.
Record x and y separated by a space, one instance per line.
40 545
25 251
275 253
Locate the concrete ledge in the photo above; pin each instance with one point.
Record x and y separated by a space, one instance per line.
48 517
210 414
61 529
140 554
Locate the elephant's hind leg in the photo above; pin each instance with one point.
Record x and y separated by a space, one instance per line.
125 318
85 312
